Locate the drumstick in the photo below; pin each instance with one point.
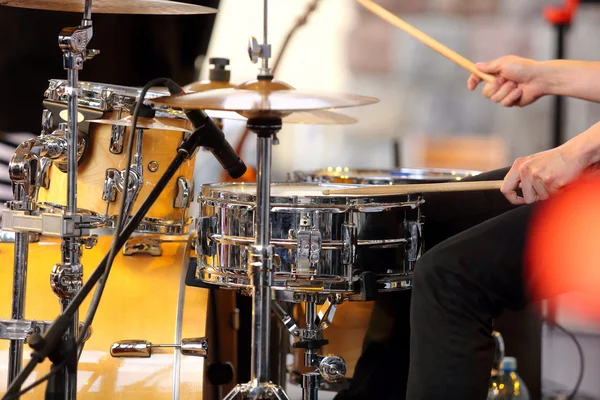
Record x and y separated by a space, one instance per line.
417 188
426 40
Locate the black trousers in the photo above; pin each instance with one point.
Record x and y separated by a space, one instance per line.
471 270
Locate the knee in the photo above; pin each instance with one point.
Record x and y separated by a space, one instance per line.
429 269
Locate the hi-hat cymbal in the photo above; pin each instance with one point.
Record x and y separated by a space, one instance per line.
153 7
142 123
314 117
264 99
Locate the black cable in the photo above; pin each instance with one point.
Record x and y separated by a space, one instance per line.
581 358
93 308
44 378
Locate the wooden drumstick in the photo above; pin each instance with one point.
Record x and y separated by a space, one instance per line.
418 188
423 38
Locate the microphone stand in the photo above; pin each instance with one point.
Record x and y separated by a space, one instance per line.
55 344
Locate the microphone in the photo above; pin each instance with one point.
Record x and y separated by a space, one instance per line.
213 137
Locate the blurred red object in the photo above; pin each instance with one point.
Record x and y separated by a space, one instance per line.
562 15
563 250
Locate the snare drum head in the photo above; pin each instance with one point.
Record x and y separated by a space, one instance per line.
298 194
381 176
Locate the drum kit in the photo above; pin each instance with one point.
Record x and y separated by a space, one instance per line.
280 243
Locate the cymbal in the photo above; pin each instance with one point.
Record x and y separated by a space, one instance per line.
142 123
264 99
150 7
203 86
314 117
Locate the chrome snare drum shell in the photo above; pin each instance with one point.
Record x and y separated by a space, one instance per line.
320 244
364 176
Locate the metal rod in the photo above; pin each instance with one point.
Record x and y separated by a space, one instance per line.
261 276
15 352
263 222
87 12
265 60
72 133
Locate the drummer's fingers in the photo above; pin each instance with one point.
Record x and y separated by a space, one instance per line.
491 88
473 81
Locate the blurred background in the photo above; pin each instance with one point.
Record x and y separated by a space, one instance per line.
425 109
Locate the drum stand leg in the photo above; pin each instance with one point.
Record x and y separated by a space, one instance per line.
330 368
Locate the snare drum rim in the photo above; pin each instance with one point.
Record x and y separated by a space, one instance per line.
381 176
215 194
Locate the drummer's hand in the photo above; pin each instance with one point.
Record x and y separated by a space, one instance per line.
543 174
518 83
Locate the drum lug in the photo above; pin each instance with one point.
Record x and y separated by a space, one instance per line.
308 248
184 193
117 138
413 251
109 194
143 245
350 239
205 227
195 347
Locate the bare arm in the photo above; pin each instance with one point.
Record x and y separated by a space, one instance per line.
522 81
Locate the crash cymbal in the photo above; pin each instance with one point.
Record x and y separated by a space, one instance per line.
314 117
264 99
142 123
153 7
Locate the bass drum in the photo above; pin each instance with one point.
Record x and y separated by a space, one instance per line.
144 299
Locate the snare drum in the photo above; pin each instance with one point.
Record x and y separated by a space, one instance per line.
318 240
363 176
106 154
145 299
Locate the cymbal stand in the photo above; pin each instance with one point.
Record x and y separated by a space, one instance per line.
260 255
330 368
66 277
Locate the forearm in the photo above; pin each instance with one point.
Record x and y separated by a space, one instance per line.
579 79
585 147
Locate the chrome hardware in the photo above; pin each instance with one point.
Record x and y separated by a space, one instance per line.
308 248
46 223
142 245
114 181
109 194
117 136
153 166
184 193
137 157
332 368
66 279
89 242
61 162
195 347
26 169
47 125
413 251
205 226
11 329
9 237
254 49
350 240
